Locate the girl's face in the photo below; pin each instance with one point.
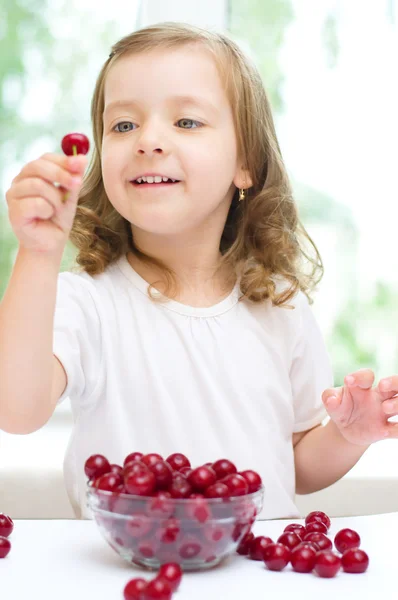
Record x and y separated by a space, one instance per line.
166 114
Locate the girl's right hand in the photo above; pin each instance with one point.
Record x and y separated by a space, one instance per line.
39 217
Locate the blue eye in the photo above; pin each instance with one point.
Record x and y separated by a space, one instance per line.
122 123
197 123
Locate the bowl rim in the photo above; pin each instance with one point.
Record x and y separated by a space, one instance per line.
90 490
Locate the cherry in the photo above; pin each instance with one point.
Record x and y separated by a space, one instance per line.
253 480
316 527
217 490
223 467
327 563
201 478
157 589
140 484
160 505
297 529
169 531
303 558
236 484
289 539
117 469
346 539
96 465
136 467
180 488
151 459
109 482
189 547
319 539
163 473
177 461
318 515
257 546
354 560
6 525
245 543
172 572
276 556
309 545
185 471
134 589
198 509
138 525
5 546
75 143
134 456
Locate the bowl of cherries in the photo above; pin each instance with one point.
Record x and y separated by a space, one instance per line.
153 510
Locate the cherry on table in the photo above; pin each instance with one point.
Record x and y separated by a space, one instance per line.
5 546
319 539
245 543
316 527
75 143
157 589
134 588
303 558
257 546
276 556
297 529
318 515
327 563
172 572
346 539
289 539
354 560
6 525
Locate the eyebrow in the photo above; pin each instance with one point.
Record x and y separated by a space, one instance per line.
180 99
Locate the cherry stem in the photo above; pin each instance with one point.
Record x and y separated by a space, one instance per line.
74 150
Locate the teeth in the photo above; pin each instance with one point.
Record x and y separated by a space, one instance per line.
154 179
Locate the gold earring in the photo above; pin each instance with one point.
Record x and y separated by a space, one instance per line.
241 195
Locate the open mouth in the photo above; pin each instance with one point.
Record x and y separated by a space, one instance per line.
156 181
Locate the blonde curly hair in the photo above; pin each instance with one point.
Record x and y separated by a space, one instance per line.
263 239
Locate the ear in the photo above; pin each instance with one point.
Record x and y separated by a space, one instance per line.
242 178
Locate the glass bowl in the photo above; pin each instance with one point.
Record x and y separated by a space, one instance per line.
195 533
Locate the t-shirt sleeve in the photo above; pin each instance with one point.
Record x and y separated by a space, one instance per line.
76 336
311 372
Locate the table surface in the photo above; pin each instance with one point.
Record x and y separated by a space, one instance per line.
64 559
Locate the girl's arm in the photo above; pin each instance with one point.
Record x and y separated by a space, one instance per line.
322 457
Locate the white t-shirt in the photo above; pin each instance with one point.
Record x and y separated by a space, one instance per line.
233 380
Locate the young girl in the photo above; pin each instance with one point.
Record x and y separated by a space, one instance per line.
188 327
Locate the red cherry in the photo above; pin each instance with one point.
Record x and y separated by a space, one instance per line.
223 467
177 461
117 469
140 484
355 560
245 543
169 531
327 563
132 457
163 473
198 509
136 467
96 465
160 505
318 515
6 525
257 546
75 143
180 488
276 556
201 478
236 484
189 547
157 589
346 539
5 546
217 490
319 539
309 545
316 527
296 528
303 558
151 459
109 482
172 572
185 471
289 539
253 480
138 526
134 589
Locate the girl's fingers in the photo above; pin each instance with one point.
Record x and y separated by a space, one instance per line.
363 378
332 399
390 406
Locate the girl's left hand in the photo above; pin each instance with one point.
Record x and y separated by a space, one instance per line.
361 412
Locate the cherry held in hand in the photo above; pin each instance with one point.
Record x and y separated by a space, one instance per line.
75 143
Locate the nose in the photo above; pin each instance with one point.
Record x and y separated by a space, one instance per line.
151 141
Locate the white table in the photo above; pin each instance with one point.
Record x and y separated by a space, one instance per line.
68 559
